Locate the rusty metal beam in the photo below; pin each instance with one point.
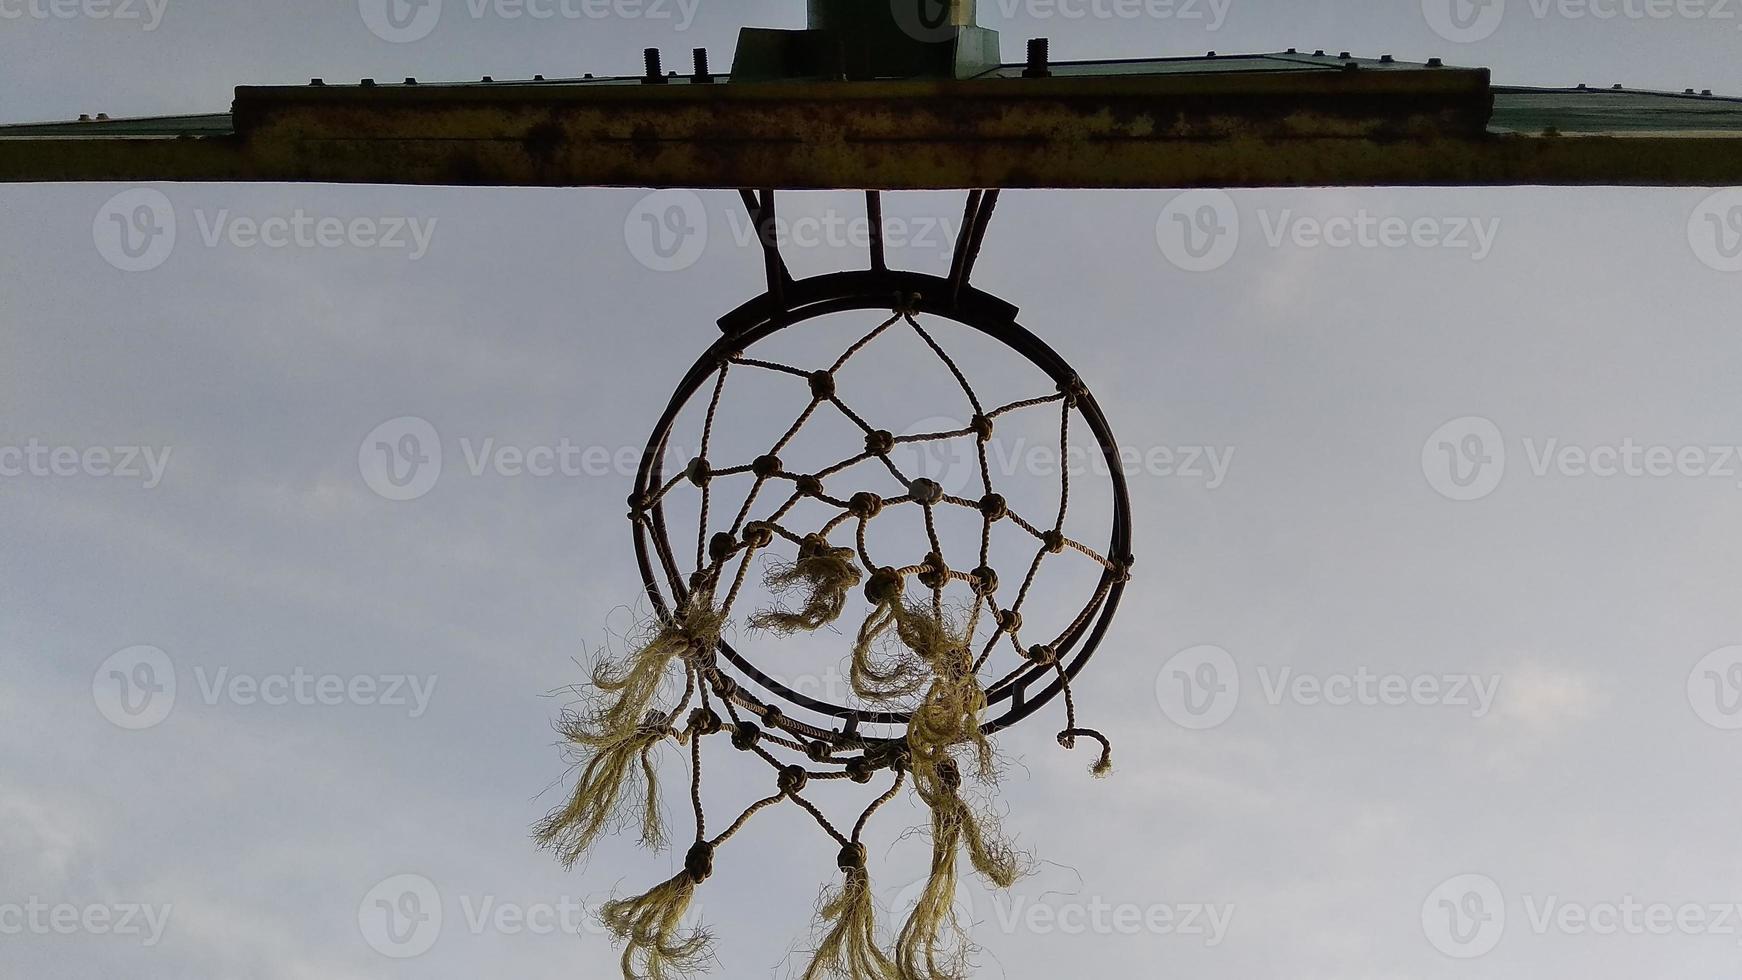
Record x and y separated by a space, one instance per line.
1255 121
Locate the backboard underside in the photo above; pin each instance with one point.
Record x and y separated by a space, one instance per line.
1280 120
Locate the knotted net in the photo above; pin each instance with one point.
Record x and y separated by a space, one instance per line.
941 639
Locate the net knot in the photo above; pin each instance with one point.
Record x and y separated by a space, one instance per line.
699 471
1054 541
1043 655
1122 566
1074 390
822 385
725 686
994 507
772 716
705 721
885 586
1010 621
880 442
746 735
758 534
819 751
793 780
890 755
865 506
907 304
927 492
699 863
860 770
721 546
982 426
810 486
936 574
985 580
853 857
767 466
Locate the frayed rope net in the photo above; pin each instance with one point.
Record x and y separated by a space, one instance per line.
913 652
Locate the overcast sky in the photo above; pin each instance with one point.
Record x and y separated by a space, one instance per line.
1431 669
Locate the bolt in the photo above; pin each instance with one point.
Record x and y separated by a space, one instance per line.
368 83
1386 59
1345 56
410 81
702 75
317 82
655 73
1436 62
1039 58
